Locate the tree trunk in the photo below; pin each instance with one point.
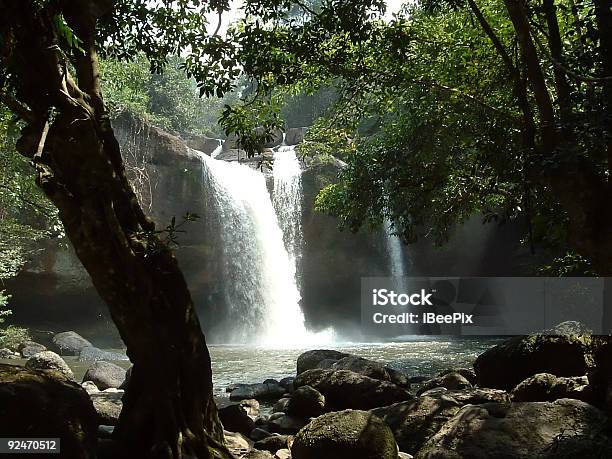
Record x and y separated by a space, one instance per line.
168 410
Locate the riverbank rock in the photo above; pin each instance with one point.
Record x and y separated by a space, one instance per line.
93 354
348 434
310 359
507 364
70 343
29 348
415 421
467 373
472 396
545 387
293 136
268 391
36 404
7 354
235 418
345 389
306 402
560 429
108 405
47 360
285 423
105 375
237 443
372 369
451 381
274 442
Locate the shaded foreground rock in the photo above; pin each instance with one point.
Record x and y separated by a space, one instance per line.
108 405
47 360
306 402
345 389
105 375
507 364
35 404
545 387
560 429
348 434
268 391
415 421
472 396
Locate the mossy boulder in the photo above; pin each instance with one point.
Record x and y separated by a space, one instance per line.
348 434
507 364
545 387
346 389
46 404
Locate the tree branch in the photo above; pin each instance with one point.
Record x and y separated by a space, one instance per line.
17 107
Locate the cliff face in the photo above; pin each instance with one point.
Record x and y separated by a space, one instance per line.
54 292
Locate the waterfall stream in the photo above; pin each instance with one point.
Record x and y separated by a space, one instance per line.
287 200
259 273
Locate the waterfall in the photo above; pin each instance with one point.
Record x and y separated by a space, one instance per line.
217 150
259 275
395 251
287 200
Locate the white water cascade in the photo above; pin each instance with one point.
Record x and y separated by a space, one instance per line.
395 251
287 200
259 274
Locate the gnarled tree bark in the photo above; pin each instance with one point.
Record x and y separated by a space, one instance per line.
168 407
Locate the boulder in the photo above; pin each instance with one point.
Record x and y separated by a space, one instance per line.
348 434
545 387
283 454
108 405
237 443
467 373
92 354
415 421
310 359
472 396
561 429
255 454
202 143
507 364
451 381
28 348
70 343
287 383
37 404
105 375
90 387
372 369
345 389
295 135
235 418
306 402
257 391
281 405
285 423
259 434
47 360
273 443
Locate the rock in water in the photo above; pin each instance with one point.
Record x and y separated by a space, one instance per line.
92 354
47 360
70 343
257 391
35 404
234 418
507 364
564 428
306 402
373 369
414 422
348 434
345 389
310 359
105 375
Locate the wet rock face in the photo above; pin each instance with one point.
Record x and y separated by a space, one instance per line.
348 434
561 429
70 415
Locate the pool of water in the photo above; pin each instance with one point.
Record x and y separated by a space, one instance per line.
419 356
